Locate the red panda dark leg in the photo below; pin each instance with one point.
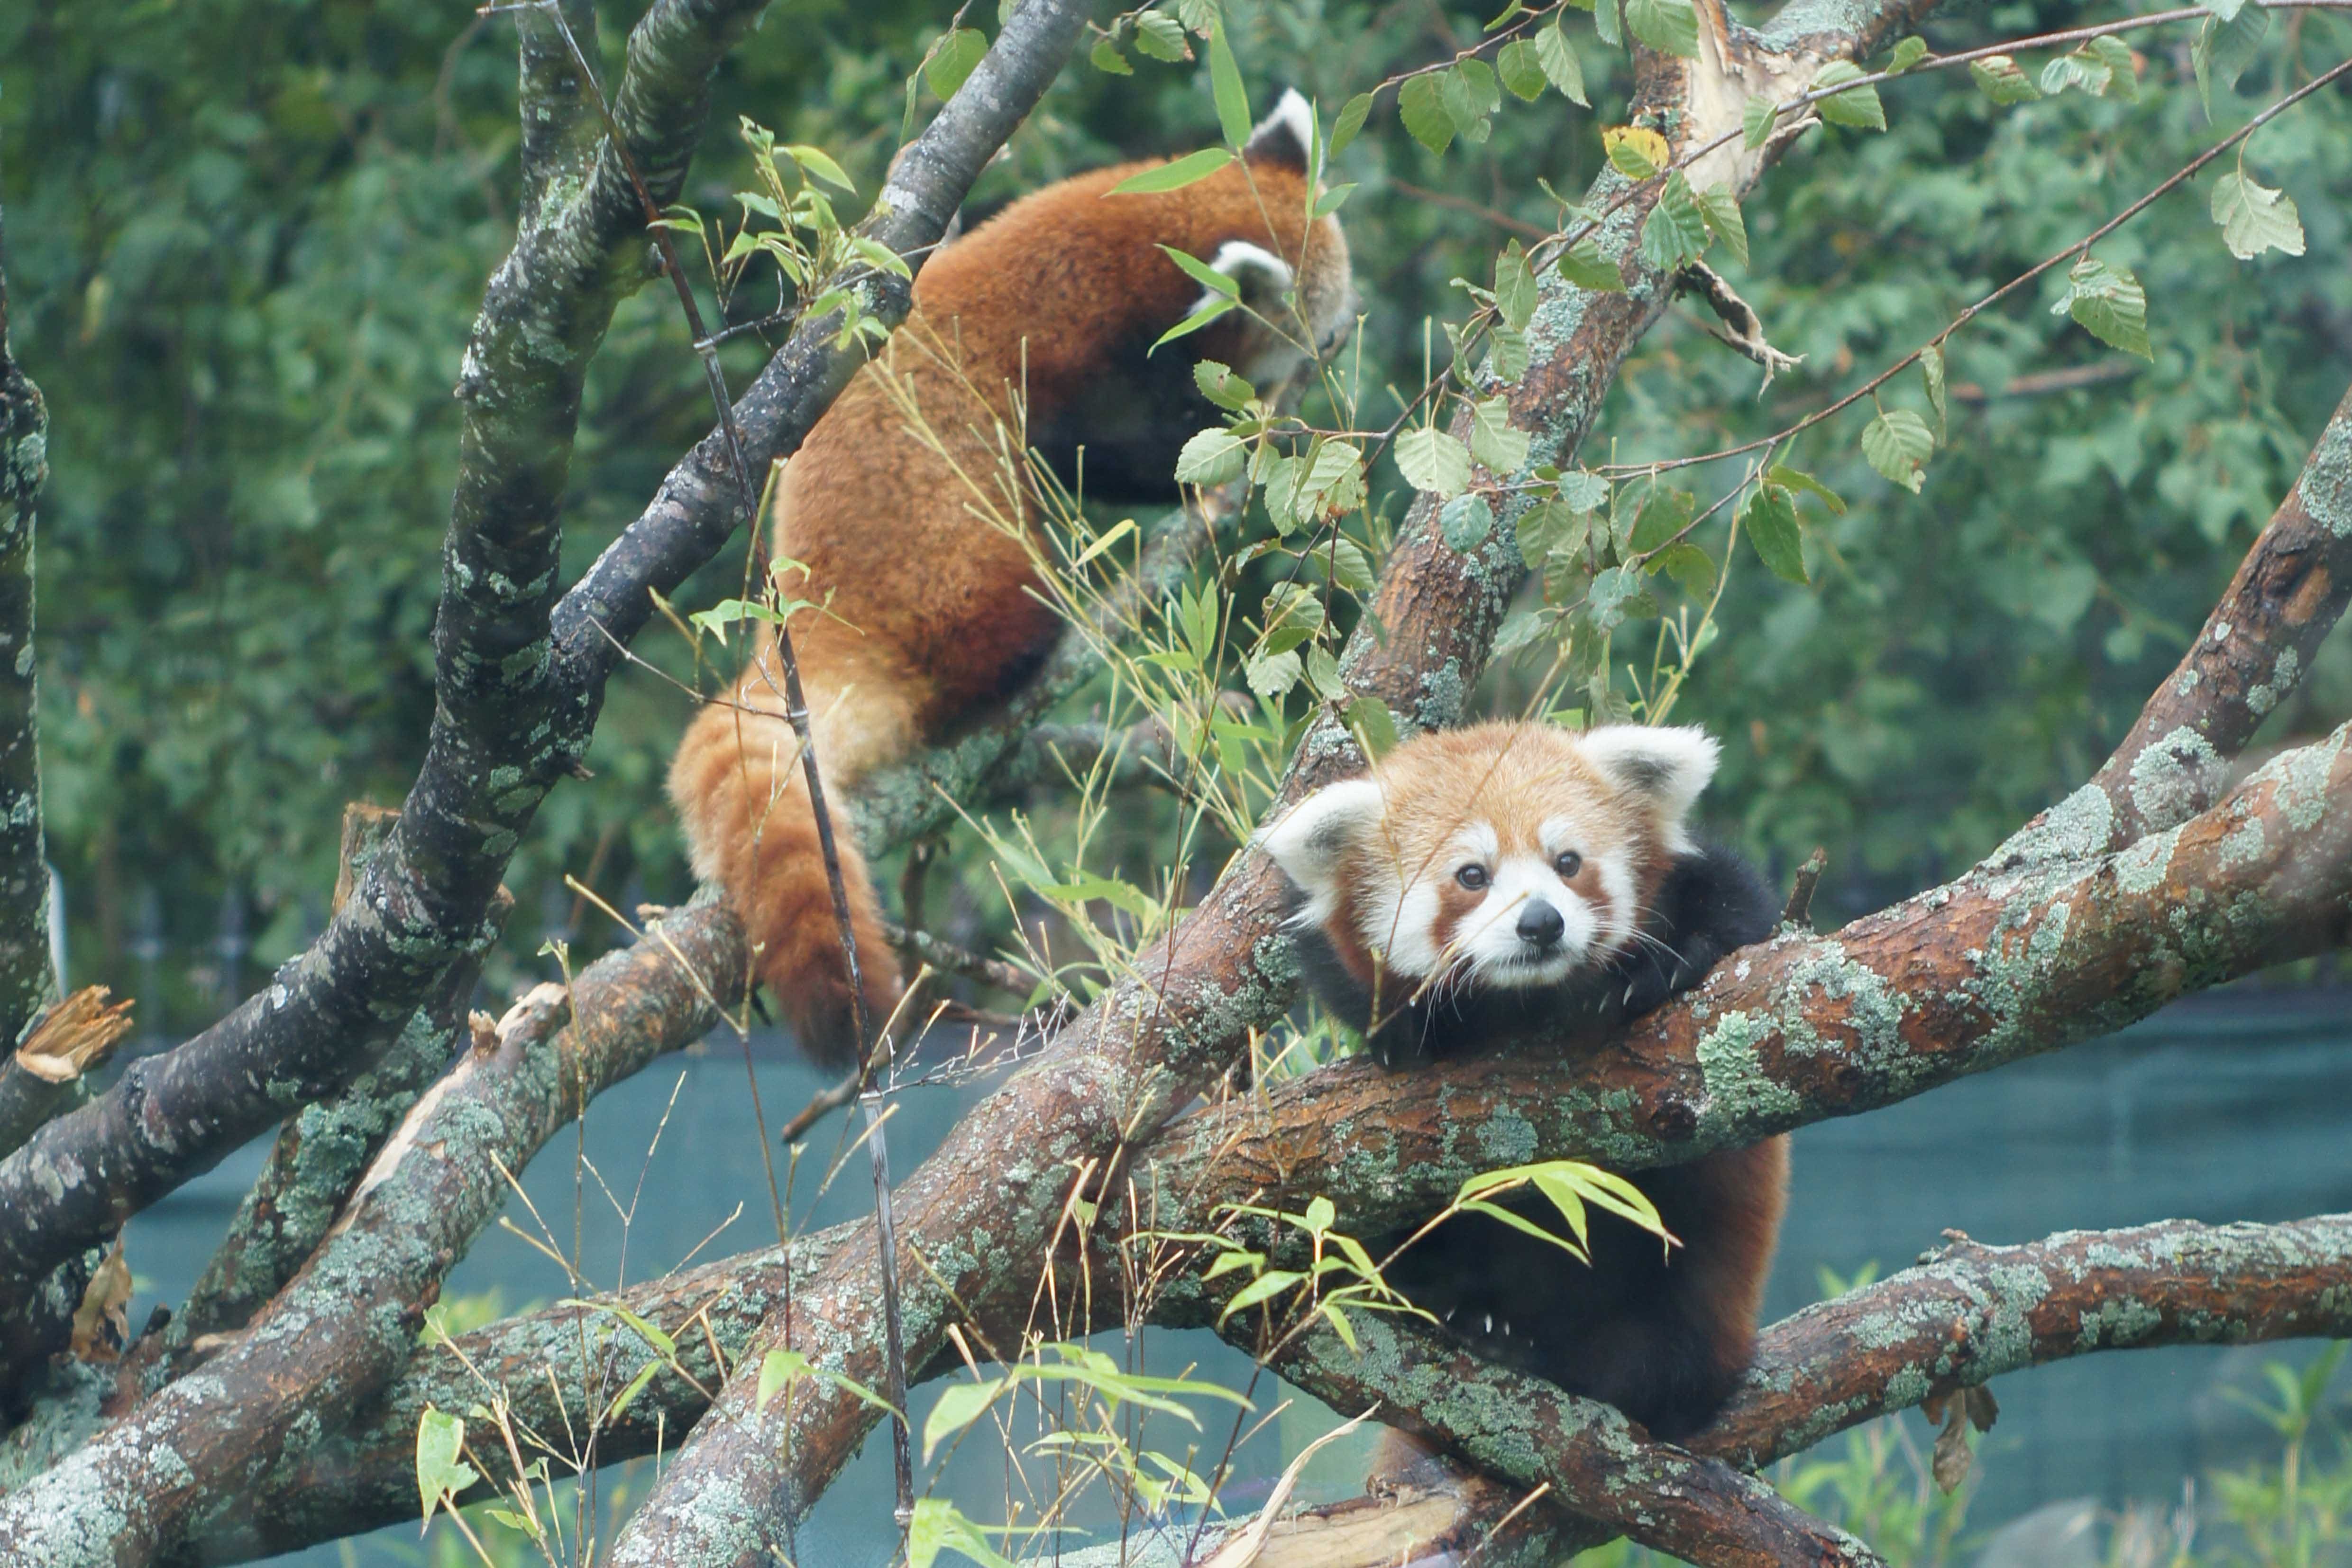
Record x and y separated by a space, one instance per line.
1662 1338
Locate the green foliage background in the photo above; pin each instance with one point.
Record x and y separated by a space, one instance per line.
247 237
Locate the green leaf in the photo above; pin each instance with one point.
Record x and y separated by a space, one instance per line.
1582 265
2255 218
1858 108
1161 37
815 161
1430 460
1898 444
2225 9
1333 199
1226 83
1756 120
2224 49
1582 491
1194 322
1174 174
1635 151
1605 22
1999 78
1692 568
1517 64
2109 304
1211 458
440 1440
1493 441
1798 480
778 1369
938 1526
1560 66
1265 1287
1509 349
1105 57
2085 72
1466 522
1477 78
1422 106
1721 210
1349 567
1352 114
1931 371
1666 513
1515 287
1220 386
1770 522
1551 526
961 1405
1907 53
2123 71
1670 26
951 59
1676 230
1200 272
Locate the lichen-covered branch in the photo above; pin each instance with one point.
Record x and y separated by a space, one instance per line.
505 729
2247 659
1594 1461
27 983
187 1460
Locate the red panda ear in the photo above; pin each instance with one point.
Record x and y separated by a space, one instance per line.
1666 767
1313 841
1285 138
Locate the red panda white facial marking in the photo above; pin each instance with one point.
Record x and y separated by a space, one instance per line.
1500 857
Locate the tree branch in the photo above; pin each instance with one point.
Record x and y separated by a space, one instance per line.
503 731
27 981
2247 659
189 1460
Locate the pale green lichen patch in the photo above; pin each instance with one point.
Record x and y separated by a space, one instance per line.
2117 1324
1733 1075
2262 699
2302 778
2076 827
2141 869
2326 488
2243 847
2171 780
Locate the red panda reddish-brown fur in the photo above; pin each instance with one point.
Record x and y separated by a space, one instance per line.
1507 879
1046 309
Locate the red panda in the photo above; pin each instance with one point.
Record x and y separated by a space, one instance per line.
1503 877
930 613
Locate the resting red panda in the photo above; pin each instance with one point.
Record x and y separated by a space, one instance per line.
1494 879
1054 302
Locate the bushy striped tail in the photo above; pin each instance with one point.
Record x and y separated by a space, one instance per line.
745 808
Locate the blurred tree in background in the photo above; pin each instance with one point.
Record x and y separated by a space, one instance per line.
248 238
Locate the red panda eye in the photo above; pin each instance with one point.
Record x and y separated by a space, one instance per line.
1473 876
1570 864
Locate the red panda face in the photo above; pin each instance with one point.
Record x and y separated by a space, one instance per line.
1498 856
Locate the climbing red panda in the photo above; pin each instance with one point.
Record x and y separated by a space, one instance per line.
1507 877
1042 319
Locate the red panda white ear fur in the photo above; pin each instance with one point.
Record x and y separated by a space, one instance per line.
1311 841
1666 767
1286 136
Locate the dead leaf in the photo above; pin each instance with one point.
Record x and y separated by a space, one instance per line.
1952 1457
75 1035
1240 1551
101 1323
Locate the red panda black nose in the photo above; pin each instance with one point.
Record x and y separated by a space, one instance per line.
1540 925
